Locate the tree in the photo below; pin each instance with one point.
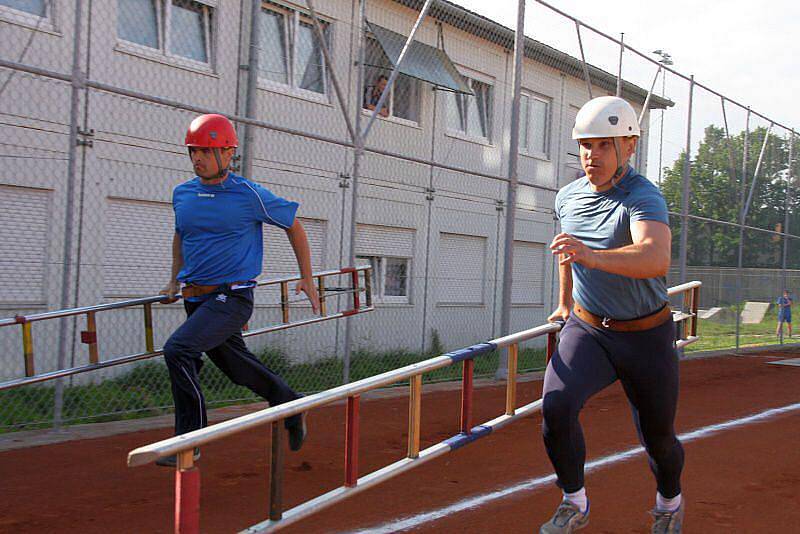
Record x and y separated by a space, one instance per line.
717 194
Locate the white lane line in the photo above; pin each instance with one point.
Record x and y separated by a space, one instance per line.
410 522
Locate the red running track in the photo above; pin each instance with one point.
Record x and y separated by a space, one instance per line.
743 479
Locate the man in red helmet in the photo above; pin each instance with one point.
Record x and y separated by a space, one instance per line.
217 253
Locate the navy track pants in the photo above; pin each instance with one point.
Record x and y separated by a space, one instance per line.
214 326
588 360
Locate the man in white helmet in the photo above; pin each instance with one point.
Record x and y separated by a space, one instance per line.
614 254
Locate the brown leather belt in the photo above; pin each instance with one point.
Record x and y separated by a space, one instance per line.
633 325
196 290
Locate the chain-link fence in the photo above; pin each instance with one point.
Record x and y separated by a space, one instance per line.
406 169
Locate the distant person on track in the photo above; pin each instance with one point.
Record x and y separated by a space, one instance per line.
784 313
614 254
217 253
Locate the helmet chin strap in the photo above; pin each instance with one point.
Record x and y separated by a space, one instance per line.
617 176
223 171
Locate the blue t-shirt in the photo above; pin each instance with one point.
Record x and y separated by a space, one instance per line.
783 310
602 221
220 228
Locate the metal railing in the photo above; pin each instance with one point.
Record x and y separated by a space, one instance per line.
187 487
89 336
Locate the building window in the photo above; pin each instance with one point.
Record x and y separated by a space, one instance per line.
403 100
534 125
389 278
290 53
177 28
572 150
32 7
472 114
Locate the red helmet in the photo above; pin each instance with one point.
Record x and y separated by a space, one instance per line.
211 131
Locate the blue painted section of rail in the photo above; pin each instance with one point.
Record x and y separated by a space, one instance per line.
470 352
459 440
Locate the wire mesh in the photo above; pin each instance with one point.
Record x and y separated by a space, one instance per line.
93 149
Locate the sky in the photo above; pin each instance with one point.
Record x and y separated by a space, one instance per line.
742 49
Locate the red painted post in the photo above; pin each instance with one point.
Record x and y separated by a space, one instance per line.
466 396
187 500
551 346
695 305
351 442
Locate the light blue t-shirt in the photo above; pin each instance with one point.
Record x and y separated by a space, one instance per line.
602 221
220 228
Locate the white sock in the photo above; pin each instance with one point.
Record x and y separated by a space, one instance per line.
578 499
667 505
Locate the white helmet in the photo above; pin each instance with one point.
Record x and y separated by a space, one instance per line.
605 116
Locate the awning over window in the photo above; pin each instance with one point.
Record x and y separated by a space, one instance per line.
422 61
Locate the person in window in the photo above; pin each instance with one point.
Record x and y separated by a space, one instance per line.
217 252
372 97
784 313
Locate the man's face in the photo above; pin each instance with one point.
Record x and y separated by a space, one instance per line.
381 85
205 163
599 158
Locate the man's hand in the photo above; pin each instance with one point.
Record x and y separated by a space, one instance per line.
560 314
171 291
573 250
306 285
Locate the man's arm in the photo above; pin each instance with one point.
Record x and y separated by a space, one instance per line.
647 257
173 286
564 293
299 241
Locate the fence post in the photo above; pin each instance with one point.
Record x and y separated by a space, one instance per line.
351 439
468 367
78 84
686 189
745 155
276 473
511 193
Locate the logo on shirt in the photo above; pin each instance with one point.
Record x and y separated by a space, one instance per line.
222 297
206 195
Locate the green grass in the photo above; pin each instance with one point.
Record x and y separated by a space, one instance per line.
145 390
720 336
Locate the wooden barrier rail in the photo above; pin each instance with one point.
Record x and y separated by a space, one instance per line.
278 518
89 336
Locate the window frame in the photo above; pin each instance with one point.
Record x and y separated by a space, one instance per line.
378 263
29 20
528 150
453 100
164 37
292 19
417 101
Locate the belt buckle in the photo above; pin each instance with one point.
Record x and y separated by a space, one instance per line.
606 322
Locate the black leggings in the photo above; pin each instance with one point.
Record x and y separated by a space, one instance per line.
588 360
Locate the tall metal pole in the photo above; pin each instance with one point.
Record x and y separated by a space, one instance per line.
786 209
745 154
619 71
358 152
583 60
78 84
251 98
323 45
511 197
686 190
661 135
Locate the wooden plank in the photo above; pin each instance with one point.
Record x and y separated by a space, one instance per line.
414 415
466 395
276 473
511 381
351 441
27 346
